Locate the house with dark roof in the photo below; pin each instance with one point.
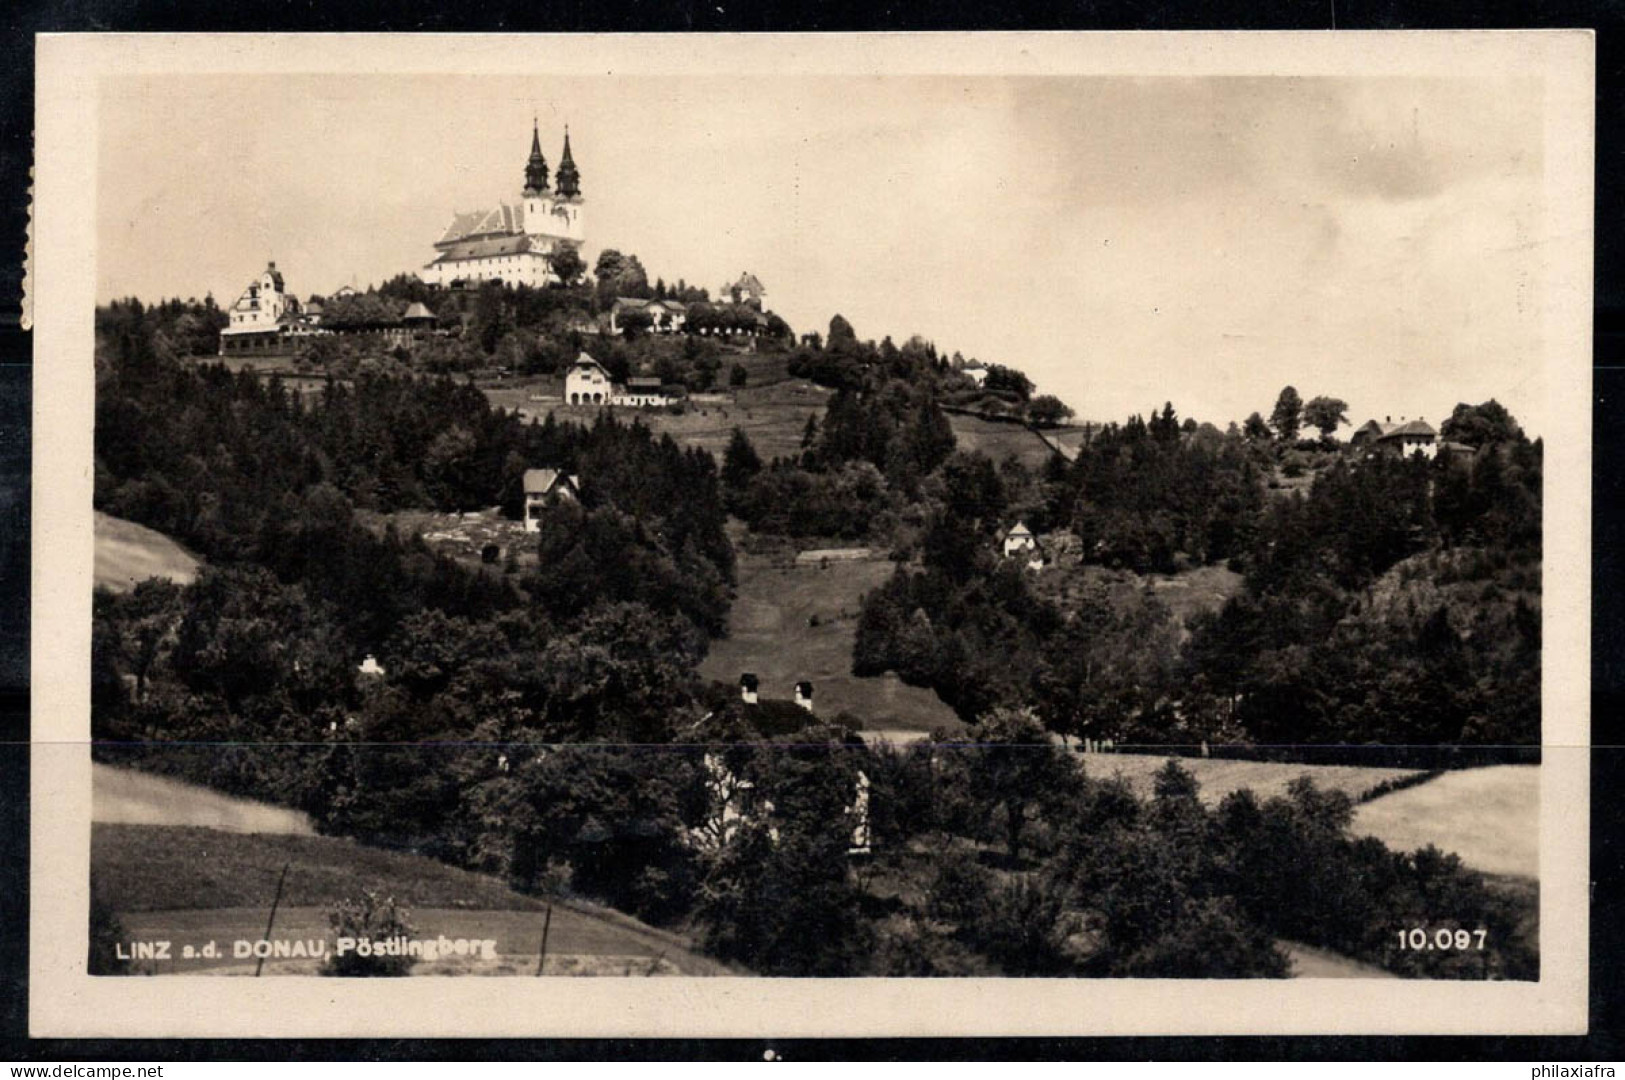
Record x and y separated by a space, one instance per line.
1406 437
1410 437
665 316
545 488
747 290
419 318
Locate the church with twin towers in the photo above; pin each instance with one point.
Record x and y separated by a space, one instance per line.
512 242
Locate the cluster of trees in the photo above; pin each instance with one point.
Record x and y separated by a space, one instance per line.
1104 882
883 434
1292 414
598 642
174 327
1395 603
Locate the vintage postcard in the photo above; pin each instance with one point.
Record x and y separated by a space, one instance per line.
827 535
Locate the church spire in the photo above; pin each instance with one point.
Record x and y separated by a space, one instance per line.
536 167
569 177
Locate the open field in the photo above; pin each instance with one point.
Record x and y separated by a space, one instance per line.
1490 817
127 553
130 797
190 885
1219 778
1000 440
771 413
771 632
166 867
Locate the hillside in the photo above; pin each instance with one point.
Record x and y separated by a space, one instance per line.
127 553
795 620
132 797
1490 817
772 414
190 886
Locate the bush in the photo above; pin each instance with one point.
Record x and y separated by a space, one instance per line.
369 919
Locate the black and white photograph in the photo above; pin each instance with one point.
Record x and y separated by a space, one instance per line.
827 522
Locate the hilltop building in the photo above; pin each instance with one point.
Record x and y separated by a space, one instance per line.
1405 438
512 242
265 317
747 290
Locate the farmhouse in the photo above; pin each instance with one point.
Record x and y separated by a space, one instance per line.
1019 539
747 290
1404 438
544 488
665 316
513 242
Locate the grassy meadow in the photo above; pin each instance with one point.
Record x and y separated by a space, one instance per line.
191 885
127 553
1490 817
793 621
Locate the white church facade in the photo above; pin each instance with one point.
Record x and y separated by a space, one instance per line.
513 242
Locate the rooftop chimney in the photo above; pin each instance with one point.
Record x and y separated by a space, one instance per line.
804 694
747 688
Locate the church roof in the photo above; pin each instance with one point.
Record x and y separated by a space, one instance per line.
484 248
501 220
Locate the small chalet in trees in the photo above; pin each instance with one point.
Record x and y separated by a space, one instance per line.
1020 541
747 290
1404 438
544 488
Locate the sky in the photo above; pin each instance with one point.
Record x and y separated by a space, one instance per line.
1125 241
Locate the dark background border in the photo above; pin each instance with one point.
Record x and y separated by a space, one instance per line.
29 17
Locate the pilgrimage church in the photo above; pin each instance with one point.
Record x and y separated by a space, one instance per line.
512 241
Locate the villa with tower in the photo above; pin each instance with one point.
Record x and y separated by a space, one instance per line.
512 242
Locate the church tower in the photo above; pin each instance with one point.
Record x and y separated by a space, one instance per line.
536 167
569 178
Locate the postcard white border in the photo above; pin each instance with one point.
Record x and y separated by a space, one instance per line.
64 1001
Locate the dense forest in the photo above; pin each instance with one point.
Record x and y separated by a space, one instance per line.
1394 602
544 721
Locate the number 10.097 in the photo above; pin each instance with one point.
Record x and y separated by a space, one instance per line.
1419 940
